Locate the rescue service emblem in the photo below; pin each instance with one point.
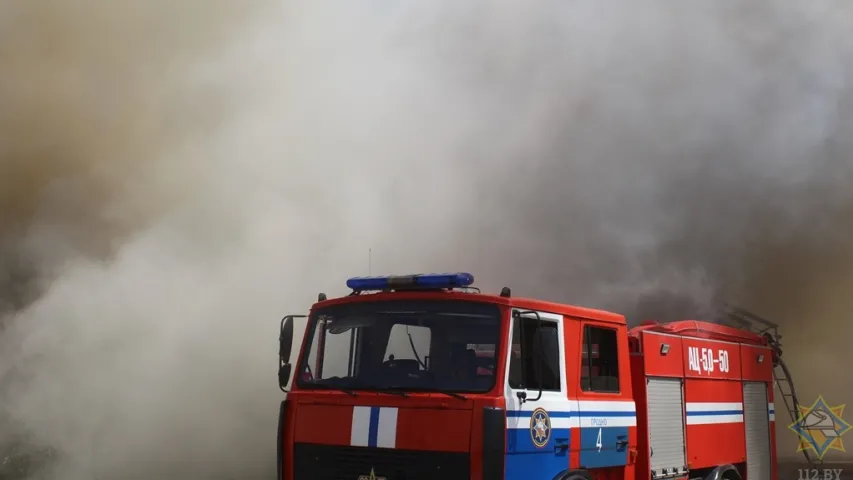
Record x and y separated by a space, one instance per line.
372 476
820 427
540 427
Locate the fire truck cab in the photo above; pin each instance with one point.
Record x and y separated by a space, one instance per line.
422 377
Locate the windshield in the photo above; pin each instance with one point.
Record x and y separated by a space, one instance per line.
446 346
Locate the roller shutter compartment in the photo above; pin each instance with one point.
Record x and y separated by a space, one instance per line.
666 427
757 425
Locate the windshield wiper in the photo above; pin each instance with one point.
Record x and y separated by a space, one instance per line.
334 387
391 390
451 394
348 392
444 392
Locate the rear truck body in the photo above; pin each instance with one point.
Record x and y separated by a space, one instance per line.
419 377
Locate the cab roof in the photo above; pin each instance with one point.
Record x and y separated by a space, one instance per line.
472 296
685 328
700 329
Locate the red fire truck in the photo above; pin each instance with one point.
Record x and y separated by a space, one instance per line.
423 377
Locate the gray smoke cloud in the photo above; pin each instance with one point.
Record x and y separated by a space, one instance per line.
175 178
656 160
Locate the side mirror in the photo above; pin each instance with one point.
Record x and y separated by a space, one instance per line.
285 339
285 347
284 375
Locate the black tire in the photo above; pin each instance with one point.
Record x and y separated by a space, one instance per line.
572 476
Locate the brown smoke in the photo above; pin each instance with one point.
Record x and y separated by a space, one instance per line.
99 102
96 100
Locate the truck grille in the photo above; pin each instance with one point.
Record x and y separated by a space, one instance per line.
332 462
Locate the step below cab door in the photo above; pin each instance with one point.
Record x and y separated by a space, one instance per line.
539 412
606 408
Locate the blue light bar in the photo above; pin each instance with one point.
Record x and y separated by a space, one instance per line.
425 281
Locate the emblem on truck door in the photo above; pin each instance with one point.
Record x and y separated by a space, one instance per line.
540 427
372 476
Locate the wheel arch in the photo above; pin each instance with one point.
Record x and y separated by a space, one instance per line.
574 475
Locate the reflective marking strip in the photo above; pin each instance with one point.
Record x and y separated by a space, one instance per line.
714 419
713 406
593 413
374 427
607 405
360 426
387 436
608 419
521 419
707 413
603 413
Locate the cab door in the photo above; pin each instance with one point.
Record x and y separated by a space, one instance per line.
606 408
538 409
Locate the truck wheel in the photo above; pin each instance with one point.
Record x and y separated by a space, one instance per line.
571 476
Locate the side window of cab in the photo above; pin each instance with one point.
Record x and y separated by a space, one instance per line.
534 355
599 360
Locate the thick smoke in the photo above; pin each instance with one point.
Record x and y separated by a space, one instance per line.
97 103
657 159
175 178
103 110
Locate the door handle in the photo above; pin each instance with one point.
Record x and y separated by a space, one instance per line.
621 441
561 445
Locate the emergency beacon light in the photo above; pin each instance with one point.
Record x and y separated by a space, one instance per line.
425 281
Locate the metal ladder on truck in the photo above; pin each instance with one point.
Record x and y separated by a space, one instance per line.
740 318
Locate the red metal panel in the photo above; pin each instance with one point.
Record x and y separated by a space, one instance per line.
641 452
756 364
287 440
423 422
714 439
711 359
476 447
713 390
323 424
663 354
442 430
614 473
573 340
574 448
631 468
